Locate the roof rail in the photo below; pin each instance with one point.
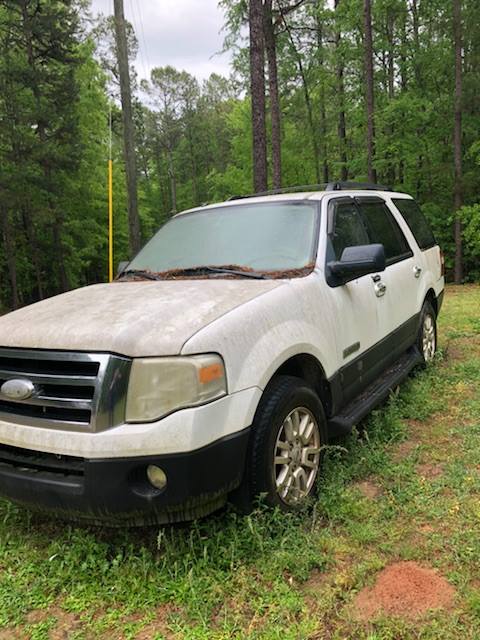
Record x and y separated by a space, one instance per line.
341 186
326 186
275 192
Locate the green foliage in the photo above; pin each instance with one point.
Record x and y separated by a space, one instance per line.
194 140
470 216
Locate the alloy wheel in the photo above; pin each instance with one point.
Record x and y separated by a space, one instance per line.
297 456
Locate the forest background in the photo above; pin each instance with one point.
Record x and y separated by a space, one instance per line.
383 90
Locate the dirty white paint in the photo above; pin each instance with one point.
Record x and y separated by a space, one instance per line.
145 318
183 431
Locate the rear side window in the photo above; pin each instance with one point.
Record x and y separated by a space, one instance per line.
416 221
348 230
383 228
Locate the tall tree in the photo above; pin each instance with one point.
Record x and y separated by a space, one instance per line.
340 90
257 90
275 113
457 139
128 127
369 99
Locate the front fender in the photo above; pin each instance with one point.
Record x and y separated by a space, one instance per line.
258 337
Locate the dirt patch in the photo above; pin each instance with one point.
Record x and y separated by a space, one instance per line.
11 633
430 471
66 624
159 625
368 489
403 450
426 528
404 589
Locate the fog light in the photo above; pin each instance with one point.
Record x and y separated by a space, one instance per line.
156 477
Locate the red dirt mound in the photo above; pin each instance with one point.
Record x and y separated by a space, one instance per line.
406 590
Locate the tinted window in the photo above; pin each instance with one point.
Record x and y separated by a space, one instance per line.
349 230
383 228
417 222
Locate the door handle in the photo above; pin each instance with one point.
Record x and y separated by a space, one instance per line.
380 289
417 271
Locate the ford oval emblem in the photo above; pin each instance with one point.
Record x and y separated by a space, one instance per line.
17 389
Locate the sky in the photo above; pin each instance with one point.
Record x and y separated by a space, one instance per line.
183 33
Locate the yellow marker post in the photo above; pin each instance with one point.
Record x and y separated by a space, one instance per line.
110 220
110 198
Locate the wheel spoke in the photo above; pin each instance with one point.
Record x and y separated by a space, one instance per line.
284 446
296 422
306 429
300 478
286 485
306 460
289 430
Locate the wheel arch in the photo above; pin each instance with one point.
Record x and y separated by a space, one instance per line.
432 298
307 367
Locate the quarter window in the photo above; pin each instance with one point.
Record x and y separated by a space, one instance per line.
383 228
416 221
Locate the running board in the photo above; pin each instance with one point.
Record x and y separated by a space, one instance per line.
374 394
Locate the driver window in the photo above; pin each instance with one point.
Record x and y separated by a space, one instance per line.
348 230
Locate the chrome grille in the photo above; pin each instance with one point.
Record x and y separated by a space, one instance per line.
73 390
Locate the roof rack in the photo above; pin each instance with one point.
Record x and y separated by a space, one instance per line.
326 186
341 186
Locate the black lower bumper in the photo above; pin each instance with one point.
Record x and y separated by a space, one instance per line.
117 491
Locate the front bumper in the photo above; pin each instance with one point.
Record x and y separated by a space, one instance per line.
116 491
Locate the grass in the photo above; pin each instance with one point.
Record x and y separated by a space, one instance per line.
269 576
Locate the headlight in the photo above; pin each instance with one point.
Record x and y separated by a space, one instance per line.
159 386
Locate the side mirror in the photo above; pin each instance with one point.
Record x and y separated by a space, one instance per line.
356 262
122 266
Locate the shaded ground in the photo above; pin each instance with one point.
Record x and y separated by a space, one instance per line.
391 550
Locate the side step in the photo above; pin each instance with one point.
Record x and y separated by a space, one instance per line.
374 394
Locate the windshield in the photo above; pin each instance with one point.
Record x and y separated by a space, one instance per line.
259 237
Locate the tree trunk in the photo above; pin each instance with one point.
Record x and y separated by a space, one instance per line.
173 180
403 54
390 31
128 127
308 101
60 255
9 245
257 89
34 249
390 53
457 139
368 51
275 113
340 86
416 43
323 115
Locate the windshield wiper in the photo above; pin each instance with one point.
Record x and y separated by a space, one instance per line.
143 274
228 270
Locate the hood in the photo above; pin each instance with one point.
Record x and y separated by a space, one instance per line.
131 318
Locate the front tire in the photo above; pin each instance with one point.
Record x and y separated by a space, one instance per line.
286 451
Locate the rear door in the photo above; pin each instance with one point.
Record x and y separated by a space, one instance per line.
429 255
398 311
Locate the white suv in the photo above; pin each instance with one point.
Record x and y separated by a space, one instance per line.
221 360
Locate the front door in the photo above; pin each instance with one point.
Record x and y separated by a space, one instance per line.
355 303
